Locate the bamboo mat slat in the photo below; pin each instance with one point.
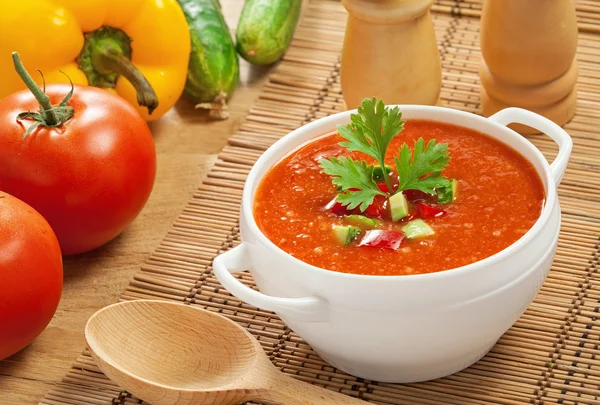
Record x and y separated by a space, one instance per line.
588 11
551 355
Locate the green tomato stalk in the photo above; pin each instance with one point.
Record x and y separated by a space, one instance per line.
48 115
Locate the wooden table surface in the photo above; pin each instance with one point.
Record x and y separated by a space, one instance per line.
187 144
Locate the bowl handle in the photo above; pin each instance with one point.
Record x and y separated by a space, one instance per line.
544 125
307 309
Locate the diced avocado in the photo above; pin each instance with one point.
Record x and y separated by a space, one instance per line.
416 229
378 172
362 221
448 194
345 234
398 206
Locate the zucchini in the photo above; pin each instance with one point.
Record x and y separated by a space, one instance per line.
213 71
266 28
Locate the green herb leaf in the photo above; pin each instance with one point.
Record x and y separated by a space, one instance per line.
372 130
347 174
421 169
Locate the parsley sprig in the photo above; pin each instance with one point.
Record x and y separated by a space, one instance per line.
371 130
422 168
349 174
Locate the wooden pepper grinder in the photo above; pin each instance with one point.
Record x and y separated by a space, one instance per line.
390 52
528 49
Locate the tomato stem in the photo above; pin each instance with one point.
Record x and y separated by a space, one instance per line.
48 115
47 109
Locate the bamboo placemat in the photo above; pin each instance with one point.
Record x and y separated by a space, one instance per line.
588 11
550 354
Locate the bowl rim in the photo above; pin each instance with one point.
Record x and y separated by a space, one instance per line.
281 148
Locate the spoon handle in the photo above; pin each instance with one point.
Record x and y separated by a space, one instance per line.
289 391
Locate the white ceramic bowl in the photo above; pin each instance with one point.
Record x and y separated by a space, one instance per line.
402 328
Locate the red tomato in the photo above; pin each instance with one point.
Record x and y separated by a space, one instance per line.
383 187
412 215
390 240
336 208
415 195
377 207
30 274
89 177
429 211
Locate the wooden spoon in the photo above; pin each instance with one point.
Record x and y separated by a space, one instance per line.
167 353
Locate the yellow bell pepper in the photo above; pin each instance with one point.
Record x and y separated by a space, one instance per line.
137 48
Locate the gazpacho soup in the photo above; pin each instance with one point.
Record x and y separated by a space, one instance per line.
384 196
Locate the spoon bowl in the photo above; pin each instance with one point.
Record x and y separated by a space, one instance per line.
173 354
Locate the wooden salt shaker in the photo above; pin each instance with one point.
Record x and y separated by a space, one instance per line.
528 49
390 52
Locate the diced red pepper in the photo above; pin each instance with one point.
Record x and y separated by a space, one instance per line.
390 240
429 211
353 189
377 207
383 187
336 208
415 195
411 216
373 211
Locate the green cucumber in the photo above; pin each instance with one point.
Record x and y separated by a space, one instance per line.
416 229
213 71
362 221
448 194
266 28
345 234
398 206
378 172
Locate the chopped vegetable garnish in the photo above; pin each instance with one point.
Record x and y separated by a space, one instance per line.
383 187
337 208
371 132
345 234
417 228
415 195
398 206
362 221
448 193
412 215
377 207
382 239
429 211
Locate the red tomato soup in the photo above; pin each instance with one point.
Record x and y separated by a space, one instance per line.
500 196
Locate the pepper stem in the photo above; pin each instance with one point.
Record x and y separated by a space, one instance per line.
108 59
47 110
